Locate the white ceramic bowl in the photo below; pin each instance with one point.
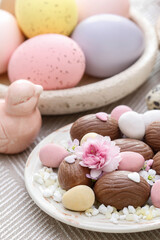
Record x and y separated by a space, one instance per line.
93 93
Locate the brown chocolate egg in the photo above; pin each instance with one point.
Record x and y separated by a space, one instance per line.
72 174
90 123
117 190
152 136
156 163
134 145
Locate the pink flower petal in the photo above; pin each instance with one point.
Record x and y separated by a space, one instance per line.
149 164
102 116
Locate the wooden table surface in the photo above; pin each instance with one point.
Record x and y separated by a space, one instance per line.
20 218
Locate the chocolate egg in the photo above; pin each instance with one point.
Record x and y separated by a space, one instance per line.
131 161
51 155
134 145
156 163
51 60
72 174
79 198
118 190
92 123
152 136
151 116
132 125
111 44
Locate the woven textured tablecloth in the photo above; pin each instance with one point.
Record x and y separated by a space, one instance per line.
20 218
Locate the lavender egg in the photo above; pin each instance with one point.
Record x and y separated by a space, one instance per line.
110 43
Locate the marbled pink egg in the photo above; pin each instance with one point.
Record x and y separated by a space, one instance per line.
119 110
155 194
131 161
51 60
51 155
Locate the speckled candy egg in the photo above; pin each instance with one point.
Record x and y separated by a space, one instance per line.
153 98
50 16
111 44
94 7
10 38
51 60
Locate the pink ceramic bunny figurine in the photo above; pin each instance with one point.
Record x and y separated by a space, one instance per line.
20 119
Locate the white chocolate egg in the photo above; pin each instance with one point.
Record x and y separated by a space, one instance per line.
132 125
87 136
151 116
79 198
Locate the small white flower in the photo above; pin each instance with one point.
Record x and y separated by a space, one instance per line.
149 176
72 145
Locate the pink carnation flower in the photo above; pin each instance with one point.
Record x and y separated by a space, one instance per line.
99 154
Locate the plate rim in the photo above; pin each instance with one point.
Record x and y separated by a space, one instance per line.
44 207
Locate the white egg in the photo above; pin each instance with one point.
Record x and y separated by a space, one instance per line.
151 116
132 125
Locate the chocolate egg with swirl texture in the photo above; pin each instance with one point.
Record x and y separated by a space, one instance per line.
117 190
94 123
156 163
152 136
72 174
134 145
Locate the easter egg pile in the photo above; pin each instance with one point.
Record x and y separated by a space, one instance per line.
112 158
54 43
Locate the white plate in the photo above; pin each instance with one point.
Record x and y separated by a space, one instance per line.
93 93
57 211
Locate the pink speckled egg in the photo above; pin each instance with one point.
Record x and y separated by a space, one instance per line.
94 7
155 194
119 110
131 161
51 155
51 60
10 38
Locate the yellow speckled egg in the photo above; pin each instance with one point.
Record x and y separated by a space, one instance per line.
37 17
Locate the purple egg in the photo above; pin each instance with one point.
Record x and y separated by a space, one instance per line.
110 43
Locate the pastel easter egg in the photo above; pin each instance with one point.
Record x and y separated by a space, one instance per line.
151 116
8 5
50 16
79 198
153 98
131 161
111 44
51 155
119 110
94 7
88 136
155 194
132 125
51 60
10 39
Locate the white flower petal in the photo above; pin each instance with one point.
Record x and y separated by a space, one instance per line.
95 173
